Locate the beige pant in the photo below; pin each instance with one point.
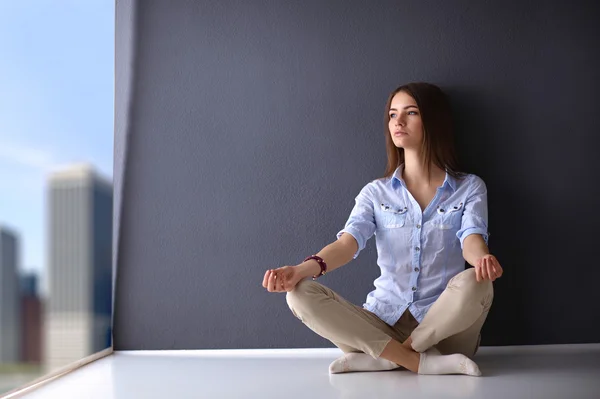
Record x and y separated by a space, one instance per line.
452 324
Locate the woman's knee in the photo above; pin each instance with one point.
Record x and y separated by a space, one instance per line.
467 281
302 294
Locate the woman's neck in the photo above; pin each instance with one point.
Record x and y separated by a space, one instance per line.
415 172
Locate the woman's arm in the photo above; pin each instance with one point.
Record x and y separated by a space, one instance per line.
335 255
477 254
474 248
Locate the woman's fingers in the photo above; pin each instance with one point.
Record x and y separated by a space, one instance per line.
495 267
492 270
266 279
478 270
277 281
498 267
484 269
489 269
271 284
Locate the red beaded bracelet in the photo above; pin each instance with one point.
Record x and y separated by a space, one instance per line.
322 264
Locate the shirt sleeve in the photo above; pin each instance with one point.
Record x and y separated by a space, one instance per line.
475 215
361 223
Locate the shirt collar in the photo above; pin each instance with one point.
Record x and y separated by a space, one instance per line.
397 178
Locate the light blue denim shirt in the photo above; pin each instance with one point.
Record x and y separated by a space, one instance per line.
417 252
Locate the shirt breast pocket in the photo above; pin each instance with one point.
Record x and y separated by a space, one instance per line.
449 216
391 216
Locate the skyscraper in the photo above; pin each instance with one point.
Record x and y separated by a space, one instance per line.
10 321
29 284
31 320
78 314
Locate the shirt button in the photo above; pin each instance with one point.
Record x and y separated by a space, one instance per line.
414 288
418 226
418 249
416 269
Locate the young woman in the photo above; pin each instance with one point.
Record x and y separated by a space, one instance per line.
426 311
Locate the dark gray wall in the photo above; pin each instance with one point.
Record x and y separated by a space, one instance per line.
124 60
254 124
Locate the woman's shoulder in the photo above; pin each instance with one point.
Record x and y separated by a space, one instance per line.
373 188
472 181
475 179
369 187
464 175
379 184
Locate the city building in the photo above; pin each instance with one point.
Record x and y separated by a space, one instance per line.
78 312
31 320
10 322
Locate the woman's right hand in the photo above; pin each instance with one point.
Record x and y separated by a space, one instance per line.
283 279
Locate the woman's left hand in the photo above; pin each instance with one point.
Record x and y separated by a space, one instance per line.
488 268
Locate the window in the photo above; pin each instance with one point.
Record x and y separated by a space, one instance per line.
56 164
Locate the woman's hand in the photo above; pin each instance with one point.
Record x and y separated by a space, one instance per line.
282 279
488 268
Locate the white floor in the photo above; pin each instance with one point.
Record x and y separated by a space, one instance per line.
557 371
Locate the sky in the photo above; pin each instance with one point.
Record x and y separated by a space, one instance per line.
56 107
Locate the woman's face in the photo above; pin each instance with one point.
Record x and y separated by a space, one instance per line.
406 127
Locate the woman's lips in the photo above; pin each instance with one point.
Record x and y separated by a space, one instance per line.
400 133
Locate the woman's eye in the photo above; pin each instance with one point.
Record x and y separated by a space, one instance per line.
392 115
413 113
